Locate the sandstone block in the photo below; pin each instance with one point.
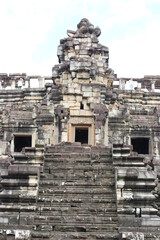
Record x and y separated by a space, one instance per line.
83 75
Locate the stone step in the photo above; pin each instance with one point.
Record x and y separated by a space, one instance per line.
94 207
82 173
76 219
78 165
51 201
117 152
76 147
149 233
95 173
33 162
17 208
77 189
73 213
23 170
132 158
76 160
140 184
54 165
81 198
17 196
68 175
57 183
74 234
83 153
11 182
84 227
128 163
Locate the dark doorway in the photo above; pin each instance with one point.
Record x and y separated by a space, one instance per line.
81 106
140 145
81 135
21 142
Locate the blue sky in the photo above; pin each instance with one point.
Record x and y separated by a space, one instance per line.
31 30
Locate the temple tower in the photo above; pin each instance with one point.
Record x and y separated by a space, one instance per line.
82 74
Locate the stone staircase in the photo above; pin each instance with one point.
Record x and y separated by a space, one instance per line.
77 196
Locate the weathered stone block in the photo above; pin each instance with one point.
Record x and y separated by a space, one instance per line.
83 75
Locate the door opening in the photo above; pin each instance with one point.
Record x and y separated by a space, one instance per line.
21 142
81 135
140 145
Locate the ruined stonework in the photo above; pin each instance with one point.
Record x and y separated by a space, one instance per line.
80 150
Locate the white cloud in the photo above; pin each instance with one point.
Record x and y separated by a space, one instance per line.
23 26
137 55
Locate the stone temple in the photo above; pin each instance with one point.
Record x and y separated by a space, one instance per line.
80 150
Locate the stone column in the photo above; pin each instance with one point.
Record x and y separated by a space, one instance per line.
122 84
153 85
41 82
0 84
13 84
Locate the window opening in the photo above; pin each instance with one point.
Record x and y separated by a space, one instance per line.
121 192
81 105
81 135
22 141
140 145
